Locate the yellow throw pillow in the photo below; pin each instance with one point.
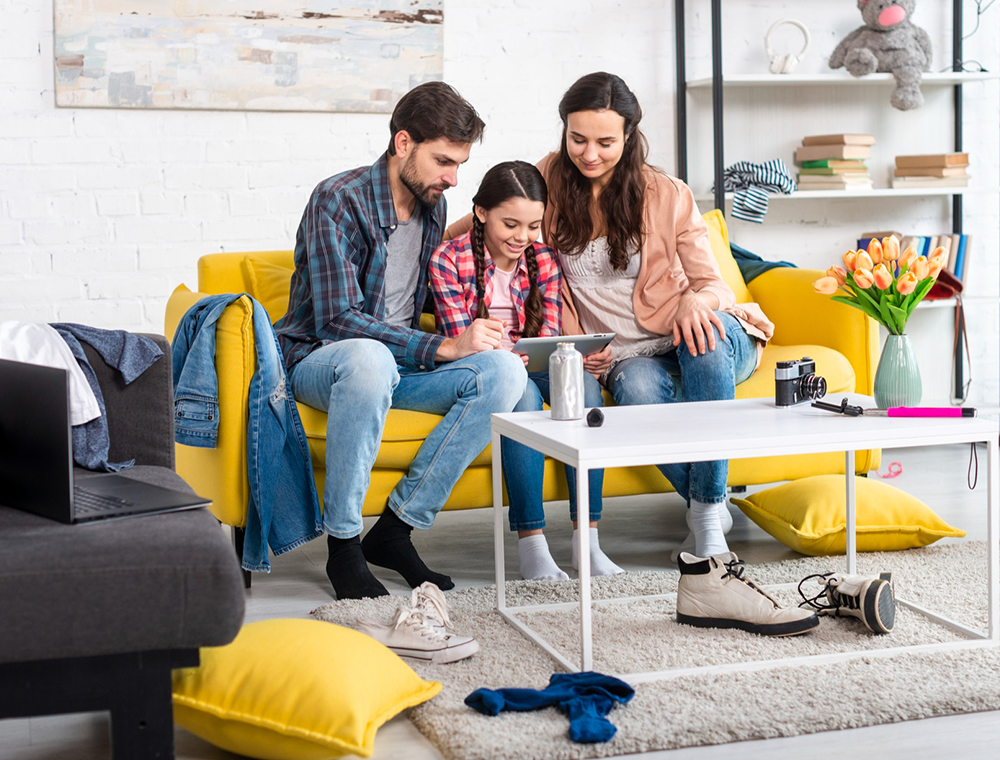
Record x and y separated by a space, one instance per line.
295 690
719 236
810 516
270 284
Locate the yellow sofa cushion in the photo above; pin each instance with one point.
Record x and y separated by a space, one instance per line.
831 364
270 283
718 235
810 516
295 690
225 482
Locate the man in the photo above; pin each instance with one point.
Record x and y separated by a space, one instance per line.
353 346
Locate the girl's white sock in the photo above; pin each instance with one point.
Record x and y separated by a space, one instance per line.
705 523
535 560
599 562
688 544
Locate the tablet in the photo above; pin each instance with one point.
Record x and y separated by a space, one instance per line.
538 349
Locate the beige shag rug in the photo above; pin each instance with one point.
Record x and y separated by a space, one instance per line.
713 708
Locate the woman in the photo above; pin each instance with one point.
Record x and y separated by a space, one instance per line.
636 260
498 271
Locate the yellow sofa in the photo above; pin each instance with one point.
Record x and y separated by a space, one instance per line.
842 340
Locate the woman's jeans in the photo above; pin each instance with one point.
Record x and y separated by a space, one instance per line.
710 376
524 468
357 381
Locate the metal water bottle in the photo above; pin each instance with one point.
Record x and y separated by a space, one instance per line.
566 382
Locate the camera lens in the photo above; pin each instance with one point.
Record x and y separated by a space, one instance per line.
812 386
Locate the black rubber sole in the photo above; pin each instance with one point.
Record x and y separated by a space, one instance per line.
880 607
769 629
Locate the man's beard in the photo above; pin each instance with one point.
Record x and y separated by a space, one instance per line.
428 195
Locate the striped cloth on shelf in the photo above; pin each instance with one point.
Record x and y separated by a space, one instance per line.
752 183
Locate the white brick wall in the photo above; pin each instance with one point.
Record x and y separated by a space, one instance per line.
104 212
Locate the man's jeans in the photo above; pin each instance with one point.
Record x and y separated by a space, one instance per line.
524 468
710 376
357 381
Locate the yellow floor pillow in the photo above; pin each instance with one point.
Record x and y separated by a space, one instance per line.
810 516
296 690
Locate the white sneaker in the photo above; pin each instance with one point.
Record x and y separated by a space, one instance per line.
713 592
423 630
688 544
429 599
870 600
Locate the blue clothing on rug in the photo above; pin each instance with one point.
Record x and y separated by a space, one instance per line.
131 355
586 698
751 265
284 509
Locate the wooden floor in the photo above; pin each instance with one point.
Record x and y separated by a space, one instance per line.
637 533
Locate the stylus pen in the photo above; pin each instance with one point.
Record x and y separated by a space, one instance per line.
921 411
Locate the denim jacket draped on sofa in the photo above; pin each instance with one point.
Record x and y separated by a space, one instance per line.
284 509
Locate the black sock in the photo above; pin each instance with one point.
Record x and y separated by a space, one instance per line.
348 571
387 544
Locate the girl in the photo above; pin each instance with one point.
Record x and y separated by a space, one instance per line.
636 259
498 271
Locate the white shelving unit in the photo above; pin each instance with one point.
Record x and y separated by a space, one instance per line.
834 80
811 80
878 192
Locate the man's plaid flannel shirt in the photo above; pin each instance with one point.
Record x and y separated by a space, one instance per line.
338 288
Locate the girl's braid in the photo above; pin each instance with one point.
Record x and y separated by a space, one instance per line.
533 303
478 248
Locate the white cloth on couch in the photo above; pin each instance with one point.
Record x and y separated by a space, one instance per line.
35 343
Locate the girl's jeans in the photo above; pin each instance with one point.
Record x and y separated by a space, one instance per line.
710 376
523 467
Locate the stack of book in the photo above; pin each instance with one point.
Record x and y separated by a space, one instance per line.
932 170
834 162
956 245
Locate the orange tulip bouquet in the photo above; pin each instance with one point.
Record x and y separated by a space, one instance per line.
885 284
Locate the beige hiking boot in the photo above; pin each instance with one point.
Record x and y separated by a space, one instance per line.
713 593
870 600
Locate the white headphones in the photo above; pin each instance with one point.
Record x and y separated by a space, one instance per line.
786 63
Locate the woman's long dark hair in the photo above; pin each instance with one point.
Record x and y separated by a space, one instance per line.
621 201
511 179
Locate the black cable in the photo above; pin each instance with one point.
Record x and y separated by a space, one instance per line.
972 477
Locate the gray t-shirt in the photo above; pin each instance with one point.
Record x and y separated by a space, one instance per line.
402 268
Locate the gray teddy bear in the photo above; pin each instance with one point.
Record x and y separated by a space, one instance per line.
888 42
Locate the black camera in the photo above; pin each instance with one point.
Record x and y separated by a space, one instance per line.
796 381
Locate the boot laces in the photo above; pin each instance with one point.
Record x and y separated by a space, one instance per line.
736 569
828 599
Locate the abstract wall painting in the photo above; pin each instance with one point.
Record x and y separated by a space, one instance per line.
337 55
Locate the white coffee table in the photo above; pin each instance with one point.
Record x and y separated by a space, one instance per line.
705 431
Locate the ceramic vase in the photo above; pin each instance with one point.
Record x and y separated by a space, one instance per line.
897 379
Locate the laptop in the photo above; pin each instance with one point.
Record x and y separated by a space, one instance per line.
36 457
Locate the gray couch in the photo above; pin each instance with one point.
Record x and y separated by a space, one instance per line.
94 617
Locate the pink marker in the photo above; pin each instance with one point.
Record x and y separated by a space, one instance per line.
896 411
922 411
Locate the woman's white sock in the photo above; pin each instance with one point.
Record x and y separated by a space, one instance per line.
688 544
705 523
599 562
535 560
